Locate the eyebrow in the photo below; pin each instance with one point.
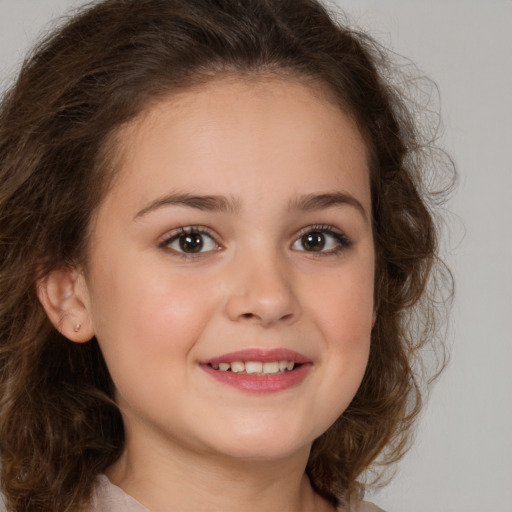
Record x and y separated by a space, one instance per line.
312 202
217 203
212 203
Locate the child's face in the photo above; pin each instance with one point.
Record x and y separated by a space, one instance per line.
239 223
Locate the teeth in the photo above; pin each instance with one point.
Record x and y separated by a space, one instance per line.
237 366
255 367
272 367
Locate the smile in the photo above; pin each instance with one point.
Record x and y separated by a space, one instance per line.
259 371
255 367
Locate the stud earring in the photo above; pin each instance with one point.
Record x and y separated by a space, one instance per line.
77 327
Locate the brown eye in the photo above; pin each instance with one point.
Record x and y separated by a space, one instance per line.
313 241
322 239
191 243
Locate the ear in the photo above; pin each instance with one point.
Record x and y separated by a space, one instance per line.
64 296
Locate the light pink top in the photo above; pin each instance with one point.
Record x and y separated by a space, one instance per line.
108 497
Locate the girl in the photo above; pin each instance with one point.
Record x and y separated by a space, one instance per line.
213 236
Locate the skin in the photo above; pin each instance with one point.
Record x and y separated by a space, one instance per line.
158 313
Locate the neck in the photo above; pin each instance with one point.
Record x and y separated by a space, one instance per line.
179 479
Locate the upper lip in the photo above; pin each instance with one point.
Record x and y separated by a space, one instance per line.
259 354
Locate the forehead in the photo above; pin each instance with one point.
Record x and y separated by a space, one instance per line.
250 132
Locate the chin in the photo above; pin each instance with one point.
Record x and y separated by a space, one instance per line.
265 452
277 443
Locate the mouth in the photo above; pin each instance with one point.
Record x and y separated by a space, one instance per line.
259 370
256 367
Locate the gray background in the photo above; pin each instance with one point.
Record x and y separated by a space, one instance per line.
462 459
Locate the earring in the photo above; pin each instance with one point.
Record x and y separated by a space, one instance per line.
77 327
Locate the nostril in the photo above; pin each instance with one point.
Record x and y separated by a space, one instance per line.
253 316
253 307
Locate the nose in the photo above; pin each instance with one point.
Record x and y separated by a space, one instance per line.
262 292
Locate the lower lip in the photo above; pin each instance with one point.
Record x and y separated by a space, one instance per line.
271 383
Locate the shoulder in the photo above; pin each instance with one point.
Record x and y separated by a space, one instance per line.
362 506
107 497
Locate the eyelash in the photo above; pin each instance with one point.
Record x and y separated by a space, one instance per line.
187 230
341 240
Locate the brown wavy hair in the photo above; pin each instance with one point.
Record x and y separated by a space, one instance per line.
59 426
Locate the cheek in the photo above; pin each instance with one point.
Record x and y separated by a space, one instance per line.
345 303
147 316
344 314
